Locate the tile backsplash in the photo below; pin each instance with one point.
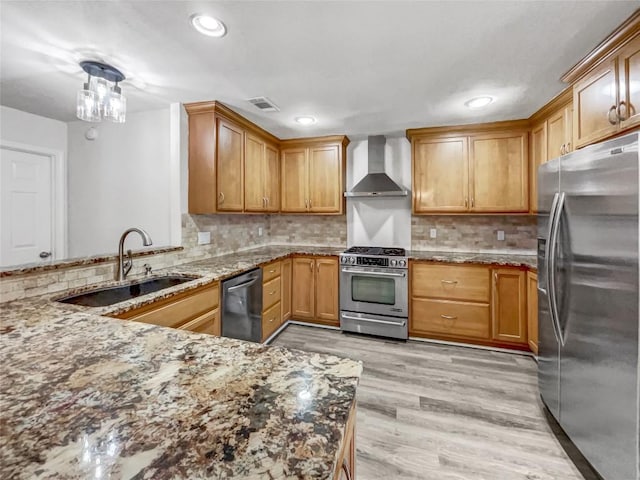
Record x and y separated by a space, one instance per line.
328 230
477 233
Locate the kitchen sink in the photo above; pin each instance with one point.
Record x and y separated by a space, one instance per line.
102 297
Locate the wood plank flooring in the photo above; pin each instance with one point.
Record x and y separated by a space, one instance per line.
438 412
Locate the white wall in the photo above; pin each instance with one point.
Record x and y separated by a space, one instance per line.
22 127
122 179
384 221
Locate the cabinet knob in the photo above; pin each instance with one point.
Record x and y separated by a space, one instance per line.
44 254
221 195
621 117
562 149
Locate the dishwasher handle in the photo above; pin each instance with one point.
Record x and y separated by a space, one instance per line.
242 285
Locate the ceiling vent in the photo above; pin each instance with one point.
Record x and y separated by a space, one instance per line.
264 104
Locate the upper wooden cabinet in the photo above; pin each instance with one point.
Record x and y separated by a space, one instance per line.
313 175
230 155
559 132
605 94
537 156
471 168
261 176
235 166
440 175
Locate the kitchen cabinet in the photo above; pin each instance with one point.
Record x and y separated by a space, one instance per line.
532 311
261 175
559 132
509 305
480 168
346 466
314 294
234 165
313 175
537 156
441 175
286 289
195 310
271 298
450 301
499 172
230 157
606 98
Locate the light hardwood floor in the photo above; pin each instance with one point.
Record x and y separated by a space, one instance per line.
436 412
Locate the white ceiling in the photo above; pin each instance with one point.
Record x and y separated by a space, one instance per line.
360 67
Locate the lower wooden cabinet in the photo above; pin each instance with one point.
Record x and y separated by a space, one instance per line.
469 303
195 310
346 466
271 320
271 298
286 289
509 305
314 293
532 311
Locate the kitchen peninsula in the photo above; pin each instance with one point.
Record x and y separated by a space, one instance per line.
89 396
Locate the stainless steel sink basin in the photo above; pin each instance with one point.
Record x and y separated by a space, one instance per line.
102 297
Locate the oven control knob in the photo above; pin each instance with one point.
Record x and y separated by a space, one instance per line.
394 263
343 259
402 263
352 260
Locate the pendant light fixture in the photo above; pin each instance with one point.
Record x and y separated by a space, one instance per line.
101 98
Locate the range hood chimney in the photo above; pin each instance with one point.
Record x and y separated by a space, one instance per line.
376 183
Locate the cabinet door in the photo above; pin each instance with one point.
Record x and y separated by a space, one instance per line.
272 178
440 175
294 174
509 300
499 172
303 289
537 156
202 163
286 289
629 84
230 158
532 311
254 174
326 272
594 105
556 135
326 185
206 323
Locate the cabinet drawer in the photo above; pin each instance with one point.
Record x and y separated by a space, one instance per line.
270 293
444 317
271 270
206 323
271 321
452 282
174 312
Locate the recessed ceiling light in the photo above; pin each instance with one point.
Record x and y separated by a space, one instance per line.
478 102
208 25
306 120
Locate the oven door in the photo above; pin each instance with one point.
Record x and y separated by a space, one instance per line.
381 291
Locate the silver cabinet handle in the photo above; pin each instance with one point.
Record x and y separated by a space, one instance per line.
619 109
449 281
449 317
613 109
266 201
568 149
272 293
472 202
221 195
466 202
44 254
311 265
374 320
562 149
272 271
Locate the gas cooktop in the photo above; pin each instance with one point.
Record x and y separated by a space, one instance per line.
389 252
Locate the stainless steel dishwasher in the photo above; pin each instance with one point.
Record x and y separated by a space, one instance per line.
242 306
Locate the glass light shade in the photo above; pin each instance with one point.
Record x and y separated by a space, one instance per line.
115 108
88 106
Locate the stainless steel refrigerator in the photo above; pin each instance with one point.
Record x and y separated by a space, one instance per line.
588 301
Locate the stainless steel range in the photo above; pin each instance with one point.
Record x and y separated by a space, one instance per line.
374 294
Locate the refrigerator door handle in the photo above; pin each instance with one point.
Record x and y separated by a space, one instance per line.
551 279
547 264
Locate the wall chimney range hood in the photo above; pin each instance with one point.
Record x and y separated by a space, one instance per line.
376 183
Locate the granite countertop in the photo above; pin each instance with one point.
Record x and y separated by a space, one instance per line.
88 396
506 259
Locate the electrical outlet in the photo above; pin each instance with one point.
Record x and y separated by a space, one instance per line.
501 235
259 231
433 233
204 238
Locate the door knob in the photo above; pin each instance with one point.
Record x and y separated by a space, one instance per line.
45 254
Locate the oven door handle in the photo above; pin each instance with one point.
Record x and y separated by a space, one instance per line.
375 274
373 320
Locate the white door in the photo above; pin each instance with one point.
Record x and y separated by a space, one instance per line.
25 208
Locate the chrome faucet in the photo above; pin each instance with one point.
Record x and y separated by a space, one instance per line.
124 266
